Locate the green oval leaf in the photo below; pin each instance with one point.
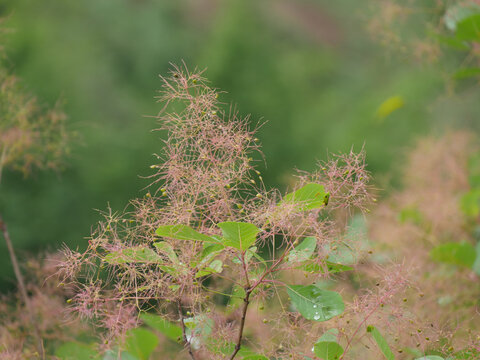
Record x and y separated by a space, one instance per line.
216 266
328 350
430 357
76 351
182 232
198 328
247 257
244 352
141 343
236 296
167 249
340 253
452 42
239 235
315 303
167 328
461 254
470 203
390 105
469 28
459 12
309 197
137 254
113 354
327 347
304 250
466 73
381 342
476 264
327 267
210 251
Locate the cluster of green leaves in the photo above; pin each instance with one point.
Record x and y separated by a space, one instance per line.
463 20
464 254
311 301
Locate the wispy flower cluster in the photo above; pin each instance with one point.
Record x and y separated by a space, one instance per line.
425 31
420 220
43 317
346 179
30 136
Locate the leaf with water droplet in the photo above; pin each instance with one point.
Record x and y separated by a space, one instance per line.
328 303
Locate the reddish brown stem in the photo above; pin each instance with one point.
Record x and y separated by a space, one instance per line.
13 258
21 284
246 302
184 331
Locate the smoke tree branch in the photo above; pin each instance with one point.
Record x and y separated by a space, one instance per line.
21 284
184 331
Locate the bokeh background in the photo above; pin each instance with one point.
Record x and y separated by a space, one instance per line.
310 70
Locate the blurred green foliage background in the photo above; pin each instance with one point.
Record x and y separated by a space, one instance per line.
307 68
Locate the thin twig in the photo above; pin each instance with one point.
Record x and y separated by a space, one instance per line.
246 302
184 330
370 313
21 285
16 268
2 161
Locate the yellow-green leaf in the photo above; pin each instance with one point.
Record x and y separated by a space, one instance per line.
389 106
